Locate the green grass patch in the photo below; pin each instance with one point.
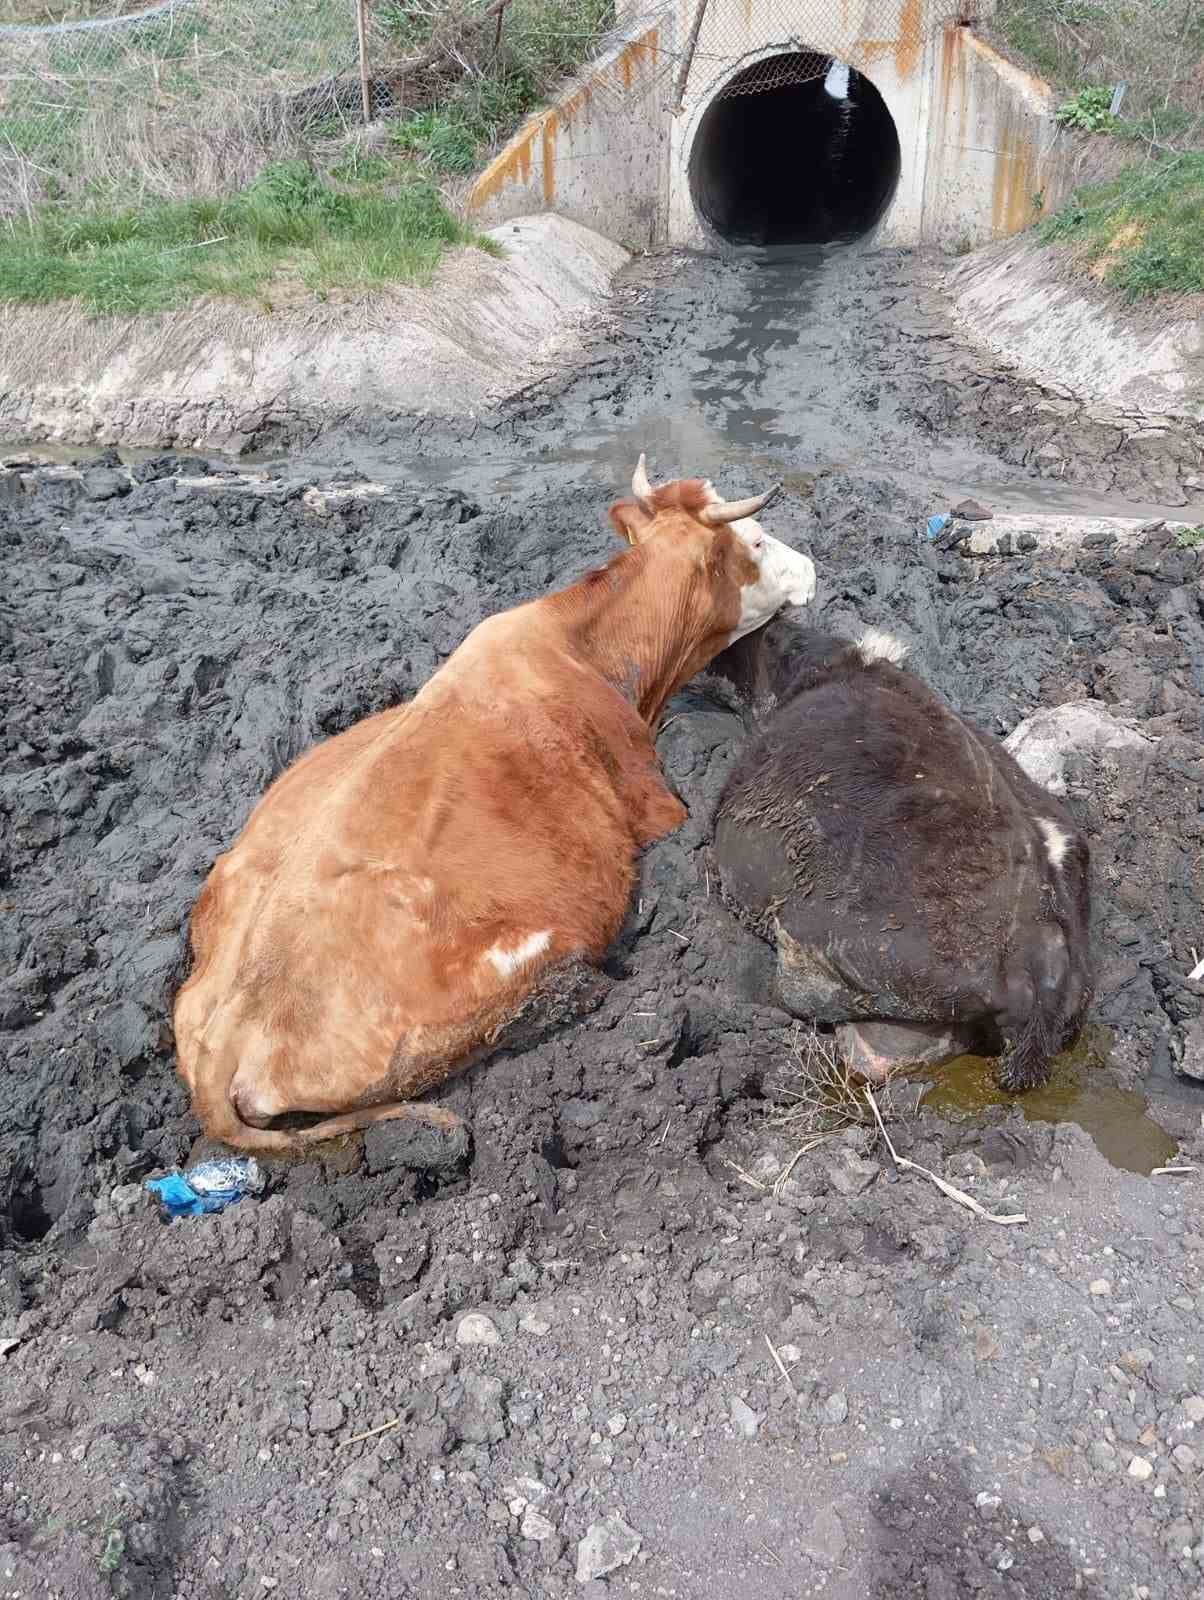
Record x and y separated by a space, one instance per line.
289 226
1190 538
1144 232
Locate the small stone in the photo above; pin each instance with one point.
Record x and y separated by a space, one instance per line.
606 1546
745 1420
1141 1469
476 1328
836 1407
987 1505
616 1424
1035 1535
325 1416
825 1539
1100 1286
1193 1408
972 511
1102 1455
534 1325
536 1526
1184 1457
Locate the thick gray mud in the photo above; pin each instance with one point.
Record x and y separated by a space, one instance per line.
964 1408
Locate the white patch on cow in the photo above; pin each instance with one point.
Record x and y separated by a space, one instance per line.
1056 841
875 645
787 577
508 961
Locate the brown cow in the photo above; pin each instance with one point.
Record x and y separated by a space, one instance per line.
411 888
922 892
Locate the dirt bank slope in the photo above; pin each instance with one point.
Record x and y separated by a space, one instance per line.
1022 300
219 376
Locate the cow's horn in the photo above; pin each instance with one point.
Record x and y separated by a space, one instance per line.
734 510
640 487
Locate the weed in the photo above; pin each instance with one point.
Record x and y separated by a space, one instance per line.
287 220
1089 111
1190 538
112 1544
1143 233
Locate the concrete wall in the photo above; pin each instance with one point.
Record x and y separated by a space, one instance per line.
996 158
598 154
981 156
896 57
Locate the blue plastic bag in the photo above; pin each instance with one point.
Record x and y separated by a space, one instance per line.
211 1186
935 524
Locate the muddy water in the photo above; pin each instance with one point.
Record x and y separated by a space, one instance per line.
1079 1091
786 363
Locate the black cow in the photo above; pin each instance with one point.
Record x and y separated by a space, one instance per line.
916 883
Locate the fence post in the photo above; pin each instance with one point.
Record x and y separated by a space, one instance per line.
361 28
688 57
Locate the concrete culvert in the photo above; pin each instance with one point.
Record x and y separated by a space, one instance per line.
796 149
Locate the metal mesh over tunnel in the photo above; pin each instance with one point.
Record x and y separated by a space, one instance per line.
808 155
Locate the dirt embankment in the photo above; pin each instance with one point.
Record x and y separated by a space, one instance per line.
224 376
287 1397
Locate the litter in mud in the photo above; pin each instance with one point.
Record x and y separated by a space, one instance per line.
208 1188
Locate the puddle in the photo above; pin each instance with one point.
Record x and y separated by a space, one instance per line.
1079 1091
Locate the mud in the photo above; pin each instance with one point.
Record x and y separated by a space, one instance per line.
282 1397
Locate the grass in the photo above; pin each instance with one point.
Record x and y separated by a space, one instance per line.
289 226
1190 538
1143 233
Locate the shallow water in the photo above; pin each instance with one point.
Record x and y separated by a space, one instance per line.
1080 1091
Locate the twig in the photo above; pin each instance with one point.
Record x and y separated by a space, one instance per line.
747 1176
780 1364
1159 1172
357 1438
903 1165
199 244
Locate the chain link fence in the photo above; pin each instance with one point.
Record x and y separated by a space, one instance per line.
104 99
800 34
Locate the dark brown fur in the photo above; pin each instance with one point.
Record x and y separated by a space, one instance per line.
896 856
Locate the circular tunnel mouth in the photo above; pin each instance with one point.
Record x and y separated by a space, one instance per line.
795 149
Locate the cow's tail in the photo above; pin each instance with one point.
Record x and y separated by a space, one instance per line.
1045 1000
218 1115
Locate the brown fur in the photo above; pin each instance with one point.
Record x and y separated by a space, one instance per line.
342 946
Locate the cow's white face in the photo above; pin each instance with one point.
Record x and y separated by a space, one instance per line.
787 577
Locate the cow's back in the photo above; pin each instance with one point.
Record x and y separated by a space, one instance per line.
894 852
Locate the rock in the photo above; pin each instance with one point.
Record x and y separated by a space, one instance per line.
1036 1535
104 484
836 1407
1141 1469
987 1505
1193 1408
1184 1457
477 1416
825 1539
745 1420
416 1146
534 1325
972 511
1191 1063
852 1174
325 1416
536 1526
607 1546
1099 1286
476 1328
1042 742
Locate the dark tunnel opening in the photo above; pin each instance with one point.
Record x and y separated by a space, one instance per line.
802 162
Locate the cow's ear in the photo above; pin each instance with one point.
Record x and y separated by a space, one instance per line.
630 521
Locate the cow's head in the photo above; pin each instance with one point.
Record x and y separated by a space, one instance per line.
748 577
